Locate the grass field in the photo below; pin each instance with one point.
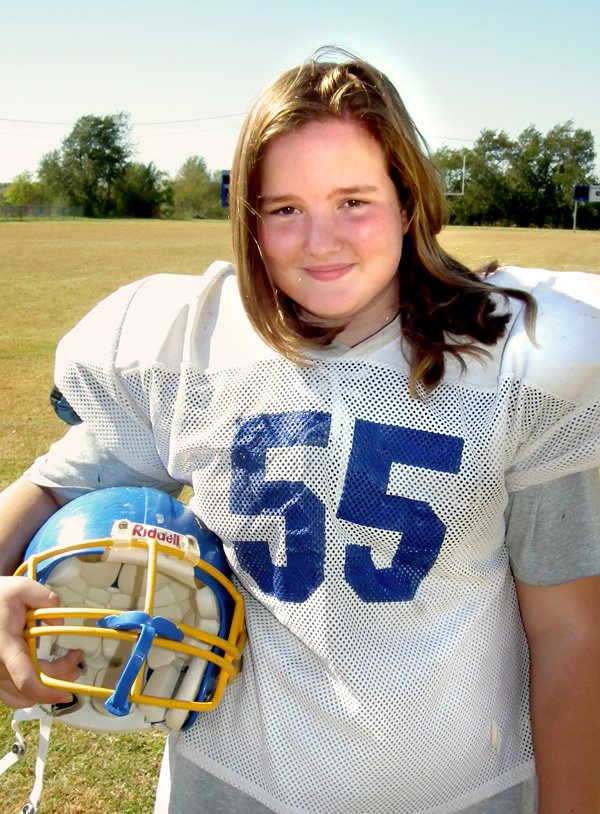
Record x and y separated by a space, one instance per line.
50 275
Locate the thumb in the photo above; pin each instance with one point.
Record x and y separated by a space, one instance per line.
28 593
17 596
37 595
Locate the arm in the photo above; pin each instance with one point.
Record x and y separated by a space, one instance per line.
562 623
24 507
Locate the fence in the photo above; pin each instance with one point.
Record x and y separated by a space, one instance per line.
39 212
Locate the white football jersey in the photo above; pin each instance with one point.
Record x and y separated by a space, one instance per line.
387 667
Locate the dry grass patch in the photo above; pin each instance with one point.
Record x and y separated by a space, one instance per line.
535 248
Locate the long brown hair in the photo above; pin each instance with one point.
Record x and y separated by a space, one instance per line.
444 306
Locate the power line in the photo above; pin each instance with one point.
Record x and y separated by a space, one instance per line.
33 121
451 138
189 121
134 124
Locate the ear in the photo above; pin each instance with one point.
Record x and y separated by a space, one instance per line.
405 221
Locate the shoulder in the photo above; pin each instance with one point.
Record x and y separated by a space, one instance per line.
543 284
142 320
165 295
564 357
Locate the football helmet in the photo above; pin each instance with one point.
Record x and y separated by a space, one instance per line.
146 595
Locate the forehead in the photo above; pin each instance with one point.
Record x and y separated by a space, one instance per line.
320 149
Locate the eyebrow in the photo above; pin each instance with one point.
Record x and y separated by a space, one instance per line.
359 190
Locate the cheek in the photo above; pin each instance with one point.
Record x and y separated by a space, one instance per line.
377 236
278 244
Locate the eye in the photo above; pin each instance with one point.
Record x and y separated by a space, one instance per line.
353 203
283 211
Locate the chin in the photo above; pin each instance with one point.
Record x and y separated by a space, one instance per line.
330 318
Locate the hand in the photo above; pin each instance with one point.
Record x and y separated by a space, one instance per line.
19 682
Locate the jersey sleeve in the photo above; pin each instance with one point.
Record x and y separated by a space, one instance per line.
80 462
103 368
554 401
553 530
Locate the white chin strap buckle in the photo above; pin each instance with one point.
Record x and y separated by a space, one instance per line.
18 751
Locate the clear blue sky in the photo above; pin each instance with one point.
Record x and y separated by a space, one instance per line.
460 66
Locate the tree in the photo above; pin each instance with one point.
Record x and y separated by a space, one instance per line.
527 181
485 198
196 193
93 158
451 163
571 157
544 170
51 180
140 192
24 191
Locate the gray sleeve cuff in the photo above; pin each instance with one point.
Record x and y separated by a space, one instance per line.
553 530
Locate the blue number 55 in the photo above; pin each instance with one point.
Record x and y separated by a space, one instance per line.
364 501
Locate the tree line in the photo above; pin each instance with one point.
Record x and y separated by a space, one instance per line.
94 169
526 181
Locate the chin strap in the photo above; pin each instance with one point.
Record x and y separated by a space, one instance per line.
18 751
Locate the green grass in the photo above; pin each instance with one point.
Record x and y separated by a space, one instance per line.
51 273
85 773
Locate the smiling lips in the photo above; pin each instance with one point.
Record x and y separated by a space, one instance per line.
328 272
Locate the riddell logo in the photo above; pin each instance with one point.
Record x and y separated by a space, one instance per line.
156 533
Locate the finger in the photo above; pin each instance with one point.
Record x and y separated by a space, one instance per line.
33 691
18 596
28 688
66 668
28 592
11 697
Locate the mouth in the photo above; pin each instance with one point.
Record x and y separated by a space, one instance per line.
332 271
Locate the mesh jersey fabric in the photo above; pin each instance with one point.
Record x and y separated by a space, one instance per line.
387 665
183 787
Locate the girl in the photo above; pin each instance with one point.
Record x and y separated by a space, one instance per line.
403 480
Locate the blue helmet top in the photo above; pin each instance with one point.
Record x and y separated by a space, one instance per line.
91 517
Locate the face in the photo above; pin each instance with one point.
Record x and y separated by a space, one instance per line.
331 226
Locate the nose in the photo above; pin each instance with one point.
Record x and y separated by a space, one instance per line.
322 236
